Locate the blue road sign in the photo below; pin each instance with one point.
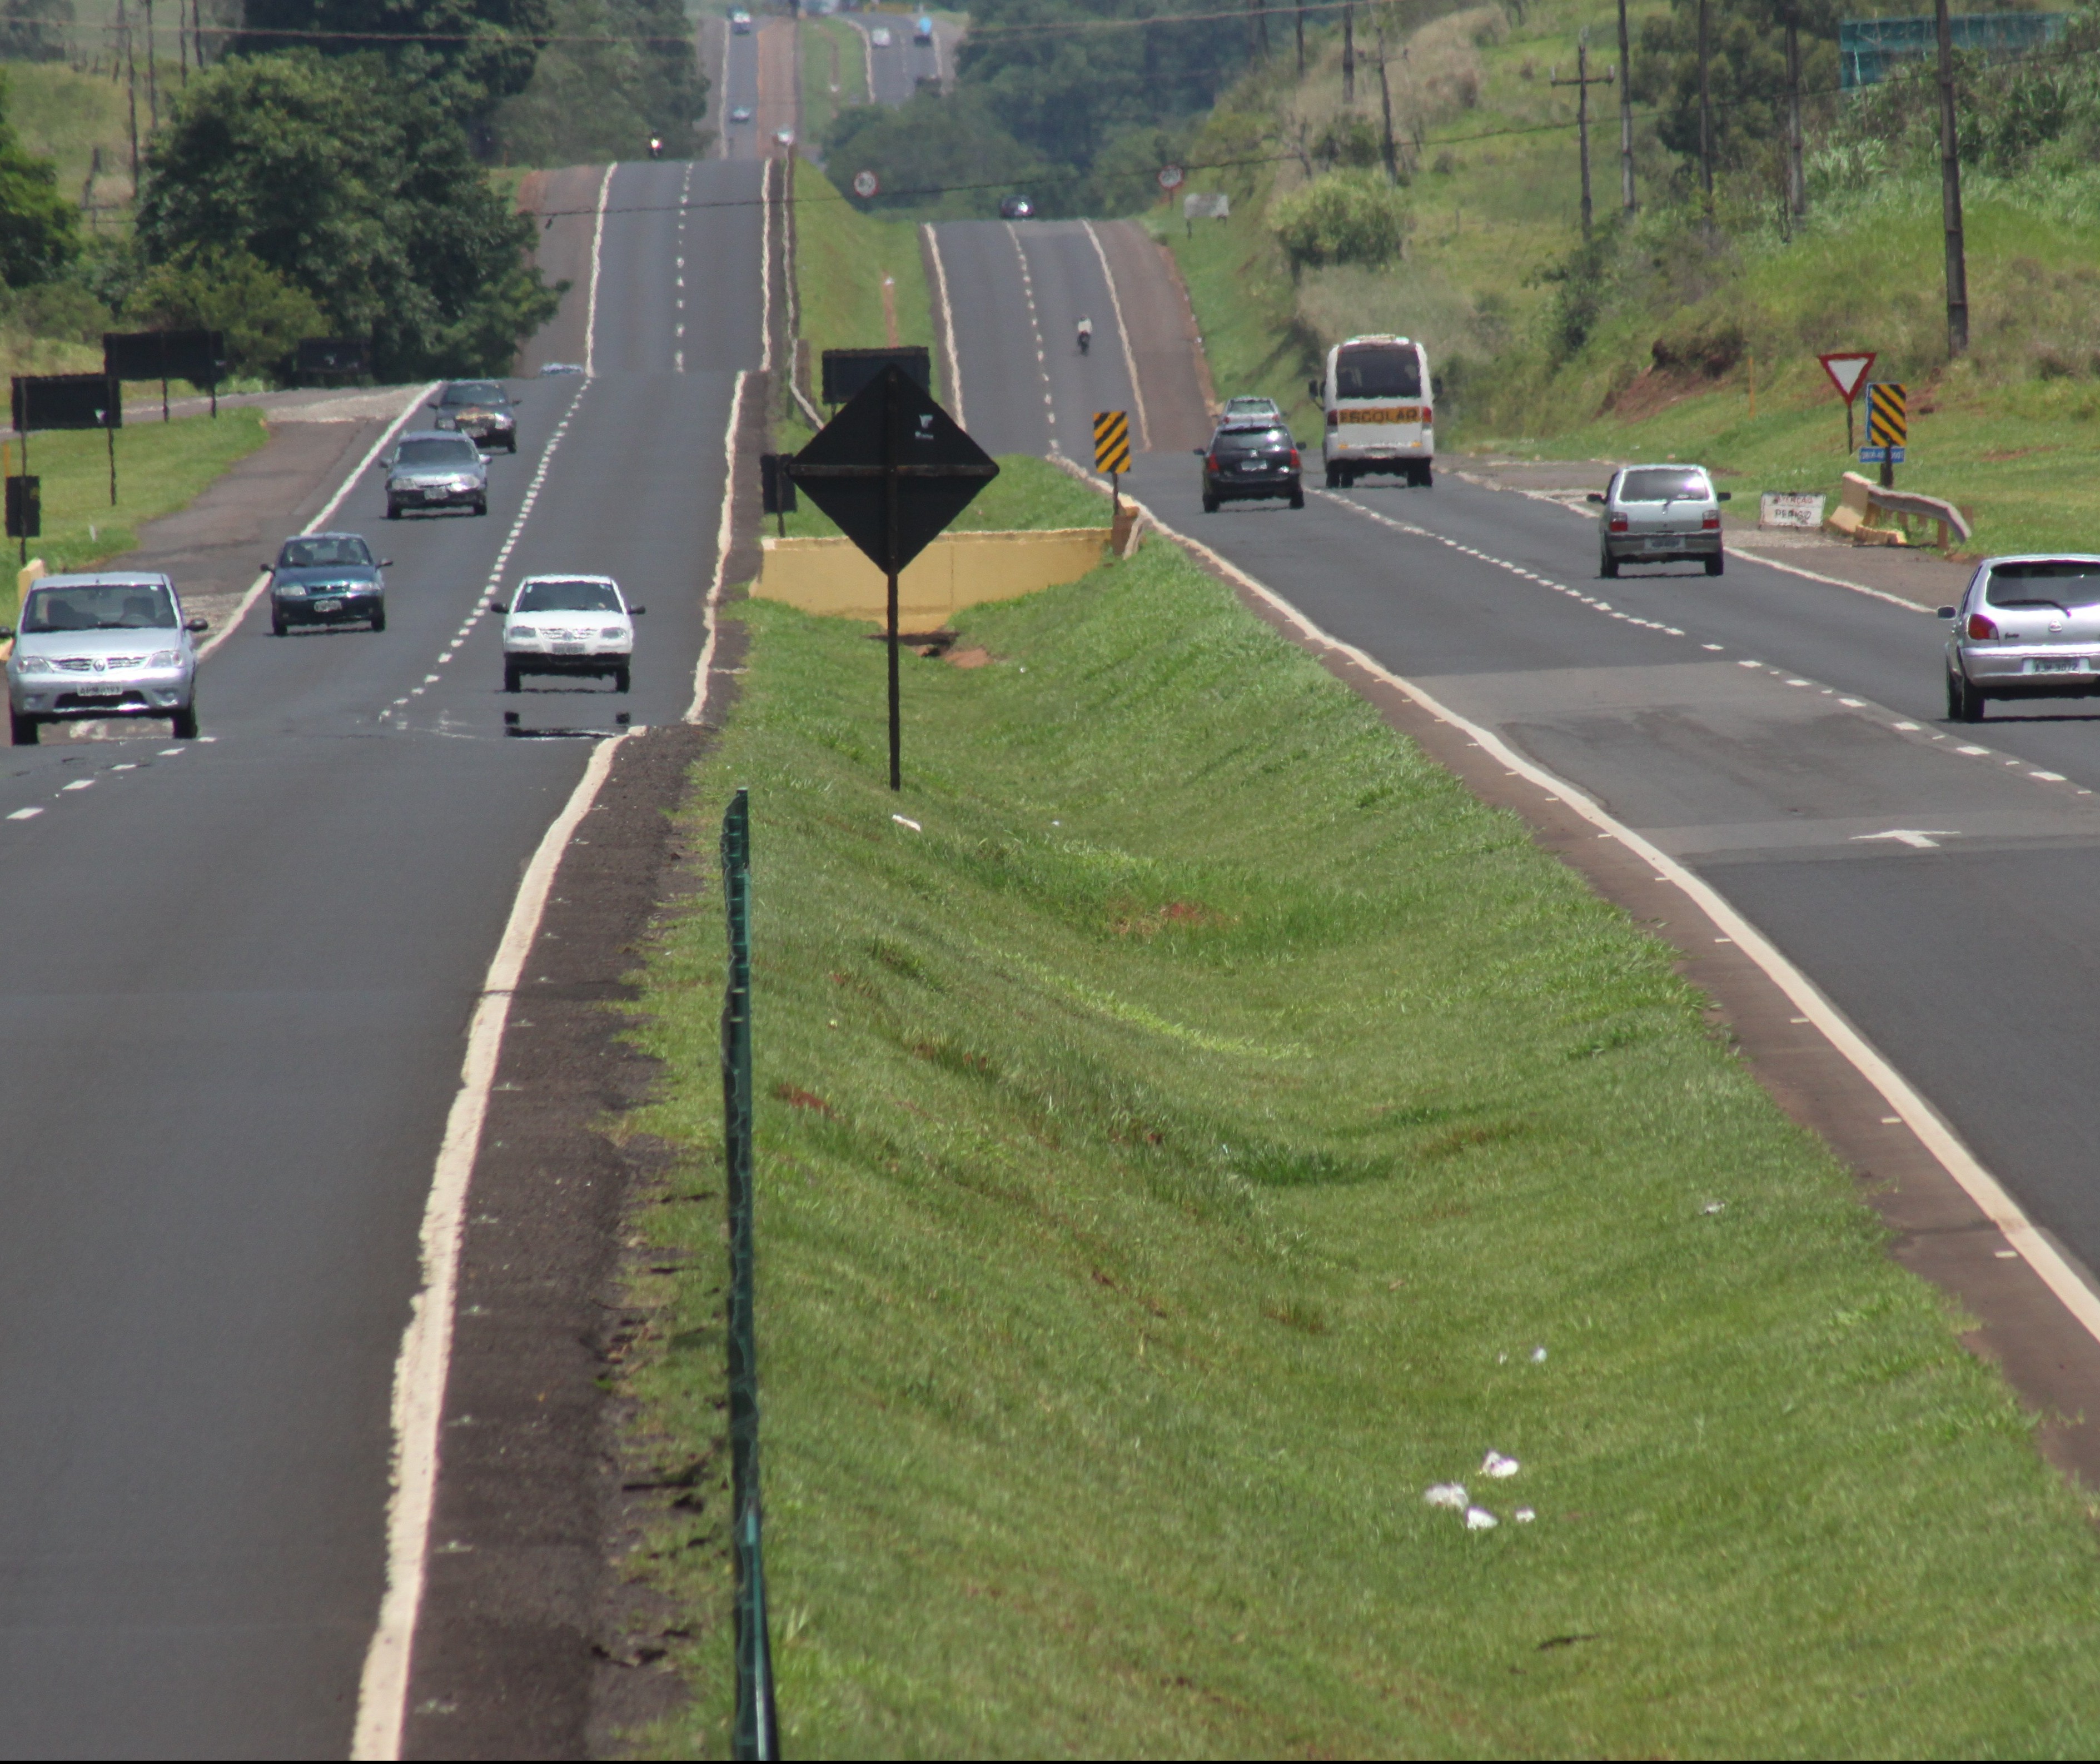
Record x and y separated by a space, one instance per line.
1878 455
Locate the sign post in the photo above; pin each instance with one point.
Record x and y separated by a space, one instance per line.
69 401
892 469
1848 370
1112 450
1888 428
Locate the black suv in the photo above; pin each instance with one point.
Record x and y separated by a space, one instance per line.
1246 459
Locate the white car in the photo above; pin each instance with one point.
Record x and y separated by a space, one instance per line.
880 36
785 137
568 624
739 22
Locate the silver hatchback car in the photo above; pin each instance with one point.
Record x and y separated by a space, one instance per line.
102 645
1659 515
433 470
2026 627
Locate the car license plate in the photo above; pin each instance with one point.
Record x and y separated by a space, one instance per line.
97 692
2059 664
327 606
435 496
1661 542
568 649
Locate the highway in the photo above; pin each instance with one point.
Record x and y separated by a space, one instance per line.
240 973
1779 736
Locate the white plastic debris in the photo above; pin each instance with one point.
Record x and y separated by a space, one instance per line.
1502 1360
902 821
1524 1515
1494 1464
1480 1519
1715 1206
1446 1494
1538 1357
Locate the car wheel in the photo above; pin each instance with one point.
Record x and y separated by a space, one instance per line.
1209 504
23 730
1608 566
513 444
511 677
1298 499
1425 478
1965 704
619 680
183 724
393 510
278 628
482 506
379 619
1713 564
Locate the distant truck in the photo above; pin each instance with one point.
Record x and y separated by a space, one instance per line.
1380 419
922 33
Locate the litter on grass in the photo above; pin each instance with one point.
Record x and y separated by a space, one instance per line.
1538 1357
901 822
1480 1519
1446 1494
1524 1515
1494 1464
1715 1206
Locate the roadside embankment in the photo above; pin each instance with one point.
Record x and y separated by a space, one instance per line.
1206 1131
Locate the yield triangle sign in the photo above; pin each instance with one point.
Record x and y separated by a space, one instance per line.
1848 370
892 469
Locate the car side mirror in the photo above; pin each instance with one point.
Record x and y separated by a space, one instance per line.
1724 496
1199 452
635 612
432 405
197 624
1942 612
266 568
385 563
1594 495
498 608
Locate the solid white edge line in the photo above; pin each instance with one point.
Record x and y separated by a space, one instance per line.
1749 556
705 667
1123 331
2056 1270
868 58
955 375
351 482
765 268
598 245
422 1367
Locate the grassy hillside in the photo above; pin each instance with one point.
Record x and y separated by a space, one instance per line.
1182 1152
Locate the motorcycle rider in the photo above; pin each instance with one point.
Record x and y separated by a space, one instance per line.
655 146
1085 334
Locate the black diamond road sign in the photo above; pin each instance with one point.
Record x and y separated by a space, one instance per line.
892 469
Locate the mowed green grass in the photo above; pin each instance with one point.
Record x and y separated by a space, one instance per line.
1173 1159
161 467
841 259
1029 495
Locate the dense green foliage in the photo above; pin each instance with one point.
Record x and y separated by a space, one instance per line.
617 73
35 30
262 315
39 229
357 188
1341 217
1747 81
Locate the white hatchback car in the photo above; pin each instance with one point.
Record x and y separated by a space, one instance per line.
568 624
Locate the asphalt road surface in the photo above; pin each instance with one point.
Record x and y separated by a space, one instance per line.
1783 737
894 73
241 973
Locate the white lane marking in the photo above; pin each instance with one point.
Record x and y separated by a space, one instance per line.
356 476
598 245
25 814
703 668
765 268
1919 838
2054 1268
1034 323
1123 331
173 753
79 783
1829 581
421 1370
954 387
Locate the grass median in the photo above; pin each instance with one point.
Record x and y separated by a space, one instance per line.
1209 1130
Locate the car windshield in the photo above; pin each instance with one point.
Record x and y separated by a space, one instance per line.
1249 407
1378 370
475 392
1254 434
112 606
438 450
2065 582
1664 484
567 596
325 553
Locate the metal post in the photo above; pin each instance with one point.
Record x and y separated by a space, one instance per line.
1796 180
1625 115
1950 192
1301 39
109 429
1385 103
889 463
1349 52
1706 124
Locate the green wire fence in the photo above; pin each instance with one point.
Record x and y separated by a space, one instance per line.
757 1729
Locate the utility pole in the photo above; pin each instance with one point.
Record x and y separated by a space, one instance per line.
1349 52
152 83
131 88
1706 124
1797 181
1385 103
1583 82
1301 39
1626 116
1950 192
1261 28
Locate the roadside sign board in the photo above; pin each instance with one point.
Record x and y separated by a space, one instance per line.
846 371
191 356
1848 370
1169 179
865 184
331 357
1888 423
68 401
1112 441
25 508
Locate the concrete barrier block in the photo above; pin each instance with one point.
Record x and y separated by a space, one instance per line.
830 577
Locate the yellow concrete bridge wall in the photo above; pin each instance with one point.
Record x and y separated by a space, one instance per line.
831 576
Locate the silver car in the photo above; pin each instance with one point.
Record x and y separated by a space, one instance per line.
102 645
431 470
1659 515
2027 627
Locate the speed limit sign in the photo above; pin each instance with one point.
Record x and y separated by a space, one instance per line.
1170 177
866 183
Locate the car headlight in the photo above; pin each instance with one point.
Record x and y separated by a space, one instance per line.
292 591
32 664
165 658
614 631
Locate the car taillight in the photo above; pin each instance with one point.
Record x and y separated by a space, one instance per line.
1618 523
1711 523
1212 462
1294 459
1981 628
1427 418
1334 419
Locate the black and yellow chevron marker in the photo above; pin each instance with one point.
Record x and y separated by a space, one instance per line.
1888 414
1111 440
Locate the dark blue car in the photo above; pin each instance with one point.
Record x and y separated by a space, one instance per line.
327 579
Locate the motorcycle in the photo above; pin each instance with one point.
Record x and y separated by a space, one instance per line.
1086 336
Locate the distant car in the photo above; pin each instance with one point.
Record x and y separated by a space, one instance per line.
1250 460
741 113
2025 627
479 409
923 31
568 624
1251 409
785 137
102 645
549 370
880 36
1017 208
1659 515
739 22
326 579
431 470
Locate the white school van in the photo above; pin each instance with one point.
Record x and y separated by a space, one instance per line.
1376 395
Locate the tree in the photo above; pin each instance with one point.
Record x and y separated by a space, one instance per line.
940 152
1747 72
358 188
626 73
262 315
39 229
1341 217
35 30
